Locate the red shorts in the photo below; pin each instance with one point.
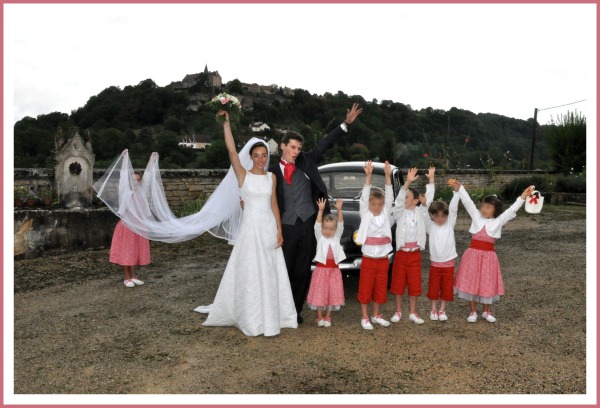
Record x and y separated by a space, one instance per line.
372 284
441 281
407 272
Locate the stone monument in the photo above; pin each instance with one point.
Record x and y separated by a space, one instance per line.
73 169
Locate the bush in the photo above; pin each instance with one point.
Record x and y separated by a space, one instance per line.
191 207
572 183
443 194
477 195
514 189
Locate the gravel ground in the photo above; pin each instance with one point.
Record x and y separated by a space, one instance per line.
79 330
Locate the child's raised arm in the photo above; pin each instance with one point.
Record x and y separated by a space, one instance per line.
411 177
453 207
366 191
339 203
389 191
429 190
511 212
321 203
465 198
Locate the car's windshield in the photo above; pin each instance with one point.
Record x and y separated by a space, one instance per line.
349 184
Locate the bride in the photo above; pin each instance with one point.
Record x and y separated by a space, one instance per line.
255 293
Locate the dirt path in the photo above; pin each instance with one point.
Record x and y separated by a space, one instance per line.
79 330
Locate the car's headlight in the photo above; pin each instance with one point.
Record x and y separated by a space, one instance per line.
354 238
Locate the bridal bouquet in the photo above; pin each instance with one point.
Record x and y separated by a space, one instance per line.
228 103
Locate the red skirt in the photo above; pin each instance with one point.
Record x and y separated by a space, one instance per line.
128 248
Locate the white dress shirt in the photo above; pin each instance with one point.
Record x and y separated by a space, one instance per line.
375 226
399 213
442 244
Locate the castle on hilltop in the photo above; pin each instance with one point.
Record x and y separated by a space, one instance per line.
213 79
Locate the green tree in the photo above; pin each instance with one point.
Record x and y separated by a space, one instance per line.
566 141
235 87
216 155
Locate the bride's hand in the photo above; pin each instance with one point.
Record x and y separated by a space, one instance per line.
279 239
221 113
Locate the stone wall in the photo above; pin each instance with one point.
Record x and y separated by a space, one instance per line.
180 185
190 184
58 230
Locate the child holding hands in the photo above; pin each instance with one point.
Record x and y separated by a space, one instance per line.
326 291
375 235
442 253
478 278
410 241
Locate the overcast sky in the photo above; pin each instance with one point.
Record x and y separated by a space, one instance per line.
505 59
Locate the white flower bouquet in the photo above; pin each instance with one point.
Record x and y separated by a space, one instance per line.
228 103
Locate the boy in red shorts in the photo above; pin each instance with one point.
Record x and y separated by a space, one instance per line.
375 235
410 241
442 253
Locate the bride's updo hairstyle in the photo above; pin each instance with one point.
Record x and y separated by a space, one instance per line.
257 145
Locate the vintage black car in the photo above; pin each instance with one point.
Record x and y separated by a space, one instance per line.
345 180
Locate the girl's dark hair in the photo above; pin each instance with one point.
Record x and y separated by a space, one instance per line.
415 194
139 173
256 146
438 206
291 135
496 202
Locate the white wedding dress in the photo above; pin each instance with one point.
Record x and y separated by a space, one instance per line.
255 294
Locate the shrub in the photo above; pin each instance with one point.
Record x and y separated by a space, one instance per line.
477 195
514 188
443 194
572 183
191 207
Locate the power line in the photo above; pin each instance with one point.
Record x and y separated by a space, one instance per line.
566 104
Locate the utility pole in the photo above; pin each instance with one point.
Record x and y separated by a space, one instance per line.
535 112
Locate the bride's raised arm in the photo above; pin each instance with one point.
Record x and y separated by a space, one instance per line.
238 169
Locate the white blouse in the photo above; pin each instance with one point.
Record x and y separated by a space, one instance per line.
324 243
493 226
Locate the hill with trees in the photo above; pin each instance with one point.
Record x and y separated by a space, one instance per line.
146 118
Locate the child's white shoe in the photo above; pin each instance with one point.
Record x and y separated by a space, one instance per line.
396 317
380 320
326 322
366 324
472 317
489 317
413 317
128 283
137 282
442 317
320 322
433 315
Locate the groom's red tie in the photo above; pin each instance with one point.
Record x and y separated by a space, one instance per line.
288 171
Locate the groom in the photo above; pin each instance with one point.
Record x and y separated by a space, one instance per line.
299 186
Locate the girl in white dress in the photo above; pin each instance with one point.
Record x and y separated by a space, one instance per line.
255 293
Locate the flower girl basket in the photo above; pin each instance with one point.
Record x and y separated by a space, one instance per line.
534 203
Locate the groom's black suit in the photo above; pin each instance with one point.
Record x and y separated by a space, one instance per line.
299 242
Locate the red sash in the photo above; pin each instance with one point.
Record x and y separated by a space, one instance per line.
482 245
330 264
378 241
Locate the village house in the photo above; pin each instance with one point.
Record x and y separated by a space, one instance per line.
259 127
195 142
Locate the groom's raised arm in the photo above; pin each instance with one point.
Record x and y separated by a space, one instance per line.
318 152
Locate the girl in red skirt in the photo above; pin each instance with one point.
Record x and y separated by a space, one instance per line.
129 249
478 278
326 291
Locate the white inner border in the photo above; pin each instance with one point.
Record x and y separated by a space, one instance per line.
149 399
